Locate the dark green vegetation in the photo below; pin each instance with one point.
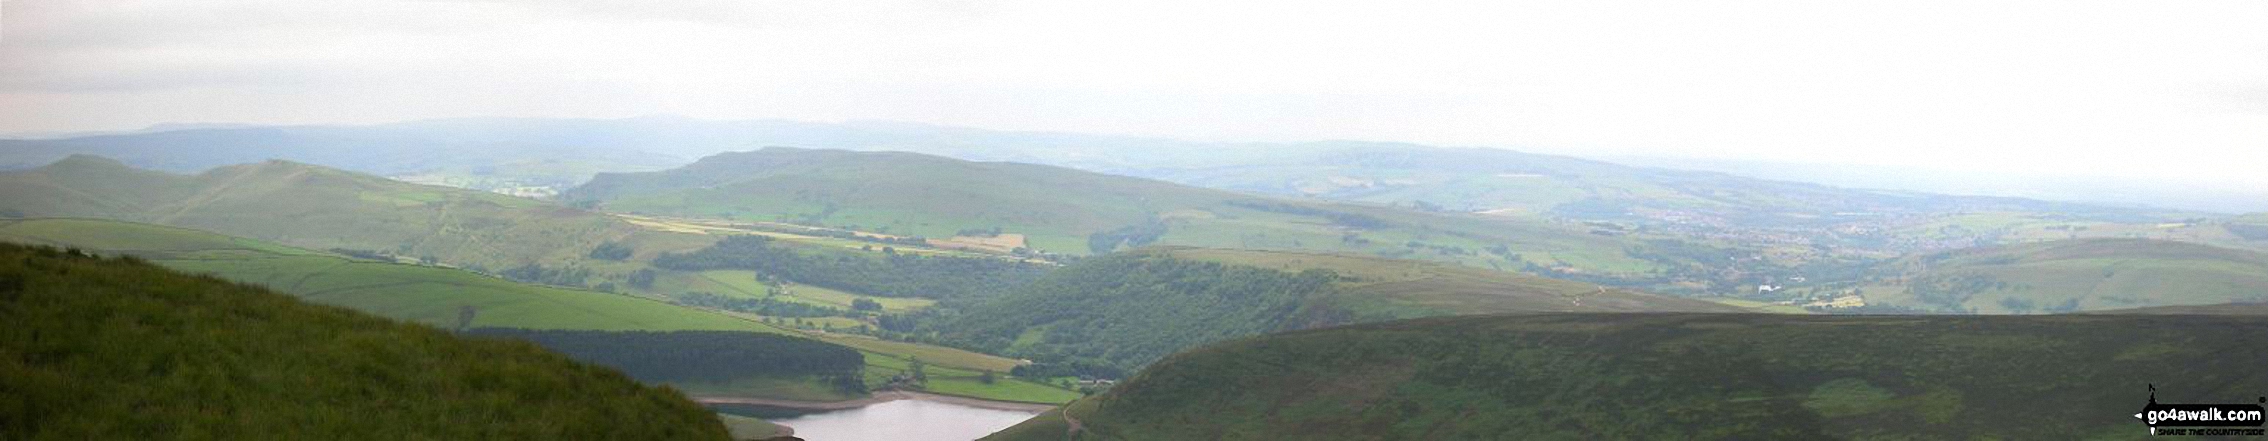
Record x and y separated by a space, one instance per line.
317 208
120 349
2069 275
700 356
890 274
442 297
1711 376
1122 311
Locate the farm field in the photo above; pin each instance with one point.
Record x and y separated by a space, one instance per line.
2070 275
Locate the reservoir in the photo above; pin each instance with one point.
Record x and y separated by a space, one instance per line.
911 420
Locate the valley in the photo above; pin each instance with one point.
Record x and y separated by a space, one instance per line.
943 279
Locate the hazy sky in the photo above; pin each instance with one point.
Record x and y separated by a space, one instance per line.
2140 89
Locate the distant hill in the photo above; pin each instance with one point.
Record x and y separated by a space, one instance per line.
1128 309
1711 376
1076 212
2072 275
1478 179
316 207
441 297
902 193
116 349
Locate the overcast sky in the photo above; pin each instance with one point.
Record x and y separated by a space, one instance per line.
2152 89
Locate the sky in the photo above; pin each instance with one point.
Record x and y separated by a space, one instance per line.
2159 90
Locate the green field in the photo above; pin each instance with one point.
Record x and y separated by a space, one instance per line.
1713 376
2072 275
742 283
1760 306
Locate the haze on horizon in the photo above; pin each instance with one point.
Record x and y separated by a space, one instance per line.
2168 92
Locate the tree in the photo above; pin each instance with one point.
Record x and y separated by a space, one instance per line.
915 367
465 315
988 377
865 304
643 278
611 250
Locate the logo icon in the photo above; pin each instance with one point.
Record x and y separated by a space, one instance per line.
2201 419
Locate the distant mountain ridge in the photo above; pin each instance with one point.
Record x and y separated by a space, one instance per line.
315 207
575 149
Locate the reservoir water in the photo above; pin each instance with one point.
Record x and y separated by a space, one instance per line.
911 420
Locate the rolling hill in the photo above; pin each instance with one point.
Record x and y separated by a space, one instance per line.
441 297
321 208
1074 212
1128 309
2070 275
1713 376
117 349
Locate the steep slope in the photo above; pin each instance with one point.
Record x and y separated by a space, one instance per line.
117 349
433 296
2071 275
316 207
1128 309
1711 376
1069 211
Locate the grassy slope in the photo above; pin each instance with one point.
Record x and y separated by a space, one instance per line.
2098 273
428 295
320 208
1129 309
108 349
1730 376
1058 208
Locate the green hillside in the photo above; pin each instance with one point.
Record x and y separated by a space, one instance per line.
320 208
2071 275
440 296
116 349
433 296
1128 309
1705 376
1076 212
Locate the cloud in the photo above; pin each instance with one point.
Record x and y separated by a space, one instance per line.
2129 88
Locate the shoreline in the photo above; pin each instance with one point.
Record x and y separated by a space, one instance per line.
878 398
